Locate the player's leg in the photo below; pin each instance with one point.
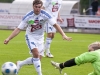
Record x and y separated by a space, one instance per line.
41 49
35 53
33 46
36 60
37 64
27 61
50 35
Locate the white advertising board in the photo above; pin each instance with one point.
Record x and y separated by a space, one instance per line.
15 19
10 19
68 21
87 22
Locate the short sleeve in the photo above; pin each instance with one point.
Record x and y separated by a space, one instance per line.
22 25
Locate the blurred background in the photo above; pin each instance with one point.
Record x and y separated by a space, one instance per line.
77 15
79 5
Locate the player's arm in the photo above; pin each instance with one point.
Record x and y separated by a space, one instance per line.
59 18
52 21
16 31
59 29
13 34
87 57
59 15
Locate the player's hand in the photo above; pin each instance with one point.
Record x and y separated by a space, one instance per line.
6 41
60 20
67 38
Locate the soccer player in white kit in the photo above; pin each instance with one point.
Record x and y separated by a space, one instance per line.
35 23
53 8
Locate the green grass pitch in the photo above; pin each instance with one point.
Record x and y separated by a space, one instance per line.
61 49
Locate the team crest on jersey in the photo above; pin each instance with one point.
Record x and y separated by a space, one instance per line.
35 25
53 3
31 22
35 22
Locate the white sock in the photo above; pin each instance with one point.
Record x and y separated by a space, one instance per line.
37 64
27 61
47 45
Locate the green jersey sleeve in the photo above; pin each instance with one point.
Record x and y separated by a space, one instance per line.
87 57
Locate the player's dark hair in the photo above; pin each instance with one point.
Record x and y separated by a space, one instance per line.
35 2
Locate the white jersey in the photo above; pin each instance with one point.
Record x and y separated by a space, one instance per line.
53 7
35 23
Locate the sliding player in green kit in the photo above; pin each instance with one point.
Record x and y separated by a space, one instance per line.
93 57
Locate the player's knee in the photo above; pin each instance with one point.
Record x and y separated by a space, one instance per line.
35 53
50 35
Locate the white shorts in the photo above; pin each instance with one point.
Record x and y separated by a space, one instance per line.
49 28
35 43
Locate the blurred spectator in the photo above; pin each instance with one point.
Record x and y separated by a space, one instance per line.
94 5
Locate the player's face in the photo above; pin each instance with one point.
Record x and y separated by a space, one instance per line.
37 8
